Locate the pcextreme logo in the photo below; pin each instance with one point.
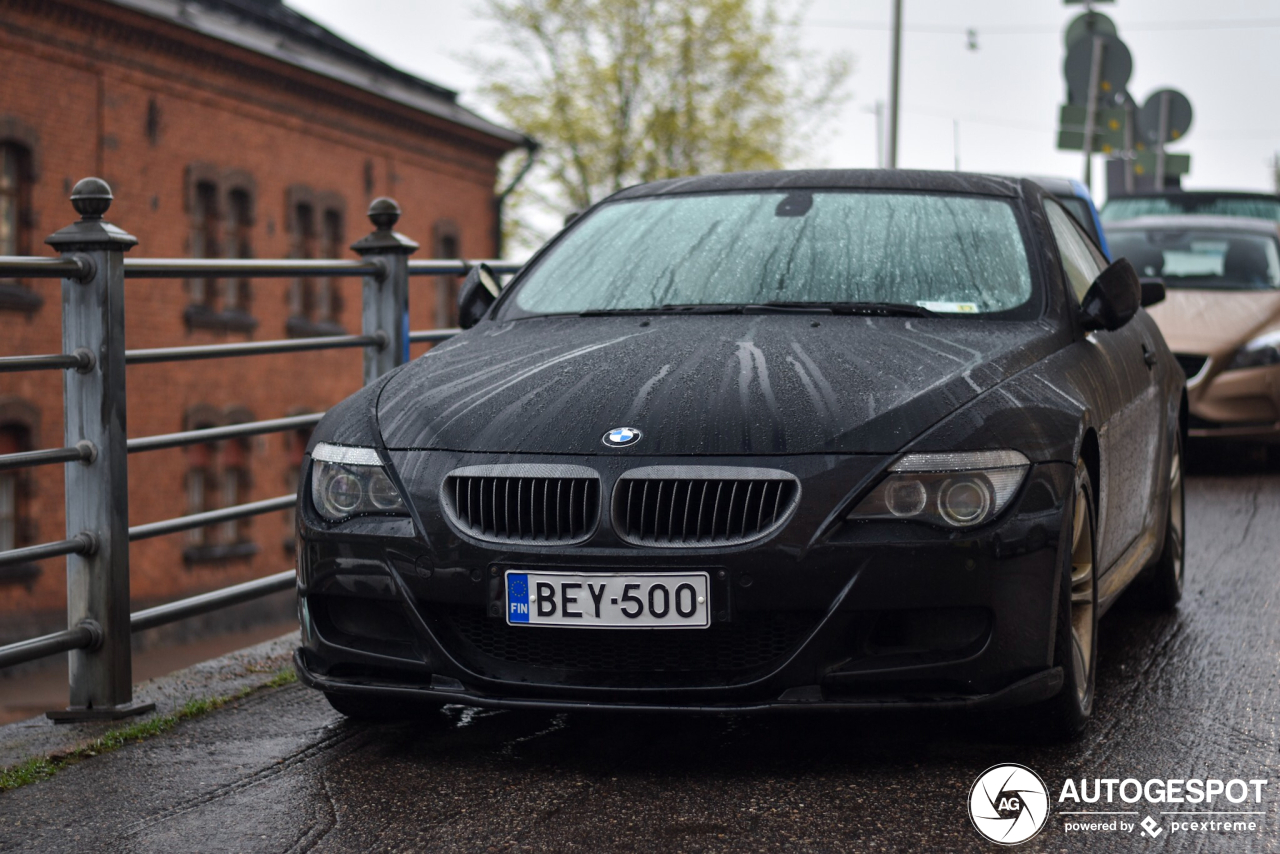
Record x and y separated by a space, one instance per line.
1009 804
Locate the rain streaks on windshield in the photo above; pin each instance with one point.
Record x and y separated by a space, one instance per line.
944 253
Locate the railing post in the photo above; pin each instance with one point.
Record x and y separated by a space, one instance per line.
97 490
386 296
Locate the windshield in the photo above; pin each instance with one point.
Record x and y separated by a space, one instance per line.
1132 208
1188 258
941 253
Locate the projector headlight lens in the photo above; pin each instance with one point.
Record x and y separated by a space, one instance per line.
958 490
348 481
905 497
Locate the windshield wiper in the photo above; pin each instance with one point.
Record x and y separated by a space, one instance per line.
668 308
873 309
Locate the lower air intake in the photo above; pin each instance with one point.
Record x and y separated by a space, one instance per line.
489 646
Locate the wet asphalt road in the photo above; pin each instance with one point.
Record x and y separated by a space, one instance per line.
1191 695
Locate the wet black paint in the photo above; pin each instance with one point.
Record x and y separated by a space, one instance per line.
705 385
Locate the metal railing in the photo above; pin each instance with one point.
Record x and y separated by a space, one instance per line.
93 270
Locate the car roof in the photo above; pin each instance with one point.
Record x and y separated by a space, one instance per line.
823 179
1057 186
1198 194
1205 222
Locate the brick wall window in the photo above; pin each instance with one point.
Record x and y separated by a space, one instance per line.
205 243
217 476
13 440
316 230
446 244
234 489
237 292
328 298
220 207
11 200
295 449
15 221
17 527
201 480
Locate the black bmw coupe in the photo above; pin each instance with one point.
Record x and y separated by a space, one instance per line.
818 439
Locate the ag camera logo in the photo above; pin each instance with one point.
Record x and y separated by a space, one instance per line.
1009 804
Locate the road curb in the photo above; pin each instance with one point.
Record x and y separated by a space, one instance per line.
226 675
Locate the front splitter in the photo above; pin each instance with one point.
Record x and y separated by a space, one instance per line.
1032 689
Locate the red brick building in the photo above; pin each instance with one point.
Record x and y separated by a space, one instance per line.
226 128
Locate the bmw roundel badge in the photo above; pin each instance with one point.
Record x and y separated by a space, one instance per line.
621 437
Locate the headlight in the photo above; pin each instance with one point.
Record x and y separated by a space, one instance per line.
950 490
1263 350
348 481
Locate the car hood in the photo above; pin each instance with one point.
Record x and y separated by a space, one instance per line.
1213 322
700 384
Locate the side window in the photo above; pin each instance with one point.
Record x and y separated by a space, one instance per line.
1080 261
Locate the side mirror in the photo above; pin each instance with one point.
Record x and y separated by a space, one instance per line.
479 292
1113 298
1152 291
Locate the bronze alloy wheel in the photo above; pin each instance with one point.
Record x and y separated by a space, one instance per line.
1162 589
1083 624
1177 518
1075 651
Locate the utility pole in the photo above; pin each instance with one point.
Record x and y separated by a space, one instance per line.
955 141
878 110
895 61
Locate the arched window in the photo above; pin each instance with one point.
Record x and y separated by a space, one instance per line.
202 477
238 292
205 242
15 220
12 201
14 520
218 476
316 225
447 244
220 205
19 430
295 447
329 299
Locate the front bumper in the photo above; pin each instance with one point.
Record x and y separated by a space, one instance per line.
820 615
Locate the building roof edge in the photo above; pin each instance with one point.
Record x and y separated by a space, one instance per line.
272 29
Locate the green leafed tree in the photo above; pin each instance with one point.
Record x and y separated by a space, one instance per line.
624 91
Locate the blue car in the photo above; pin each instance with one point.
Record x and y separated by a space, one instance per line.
1075 197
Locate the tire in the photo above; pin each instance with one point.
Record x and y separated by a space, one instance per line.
1075 648
361 707
1162 589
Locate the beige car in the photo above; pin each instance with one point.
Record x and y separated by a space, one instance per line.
1221 315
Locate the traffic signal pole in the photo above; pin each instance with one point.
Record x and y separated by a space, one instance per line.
1091 109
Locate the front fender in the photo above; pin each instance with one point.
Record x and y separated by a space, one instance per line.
1044 419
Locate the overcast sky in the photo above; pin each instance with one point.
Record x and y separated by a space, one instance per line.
1224 55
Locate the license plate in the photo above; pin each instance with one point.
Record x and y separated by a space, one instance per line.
598 600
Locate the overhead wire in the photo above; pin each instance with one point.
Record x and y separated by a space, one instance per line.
1147 26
